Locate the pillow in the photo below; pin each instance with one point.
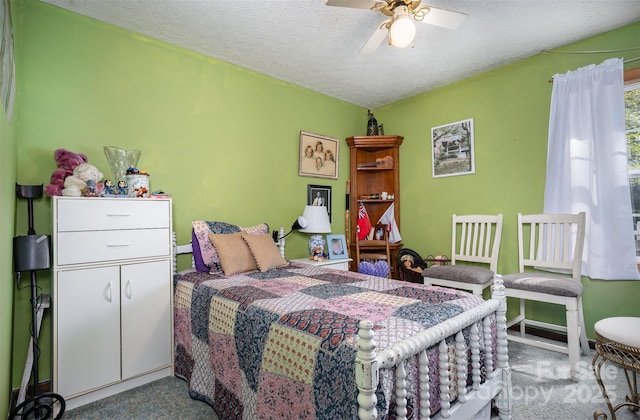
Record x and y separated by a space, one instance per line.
235 256
265 252
205 256
197 254
378 269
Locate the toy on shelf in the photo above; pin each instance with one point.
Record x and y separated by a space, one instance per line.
66 162
318 254
75 184
138 182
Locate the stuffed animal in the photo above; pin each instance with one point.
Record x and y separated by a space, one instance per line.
318 254
74 184
66 162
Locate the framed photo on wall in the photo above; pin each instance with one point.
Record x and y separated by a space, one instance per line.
452 149
318 156
319 195
337 246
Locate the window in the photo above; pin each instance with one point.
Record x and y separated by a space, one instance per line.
632 130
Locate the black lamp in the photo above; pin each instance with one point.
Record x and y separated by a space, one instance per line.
31 253
299 223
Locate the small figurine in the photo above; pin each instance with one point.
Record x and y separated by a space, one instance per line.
108 187
122 188
90 189
132 170
372 125
318 254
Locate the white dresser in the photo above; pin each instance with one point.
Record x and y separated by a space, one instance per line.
112 295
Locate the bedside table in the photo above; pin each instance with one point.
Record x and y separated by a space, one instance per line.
342 264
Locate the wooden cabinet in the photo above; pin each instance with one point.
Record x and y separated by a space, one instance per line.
375 168
112 291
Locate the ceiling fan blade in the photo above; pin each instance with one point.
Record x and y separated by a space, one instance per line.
356 4
441 17
376 39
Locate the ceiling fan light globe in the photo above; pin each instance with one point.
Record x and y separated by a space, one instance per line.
402 32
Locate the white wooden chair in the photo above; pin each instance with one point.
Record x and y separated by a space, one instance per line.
475 239
553 242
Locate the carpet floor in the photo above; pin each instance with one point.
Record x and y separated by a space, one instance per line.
541 390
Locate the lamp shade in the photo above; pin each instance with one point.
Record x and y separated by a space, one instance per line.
317 220
402 30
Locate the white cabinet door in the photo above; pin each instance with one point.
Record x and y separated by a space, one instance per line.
146 317
88 340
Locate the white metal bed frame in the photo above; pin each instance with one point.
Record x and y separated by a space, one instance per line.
469 402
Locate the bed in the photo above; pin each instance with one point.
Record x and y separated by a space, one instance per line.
299 341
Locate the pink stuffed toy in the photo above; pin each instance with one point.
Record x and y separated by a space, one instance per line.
67 162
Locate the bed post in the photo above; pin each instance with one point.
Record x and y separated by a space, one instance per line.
281 241
503 399
366 372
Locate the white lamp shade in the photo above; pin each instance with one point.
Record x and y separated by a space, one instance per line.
402 30
317 220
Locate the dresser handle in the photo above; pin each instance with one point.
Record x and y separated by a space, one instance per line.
127 289
109 293
117 245
118 215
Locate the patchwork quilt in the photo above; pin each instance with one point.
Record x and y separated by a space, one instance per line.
282 344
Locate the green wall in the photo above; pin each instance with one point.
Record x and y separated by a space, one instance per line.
7 284
510 109
224 141
7 223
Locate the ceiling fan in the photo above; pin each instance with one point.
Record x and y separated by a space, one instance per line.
400 29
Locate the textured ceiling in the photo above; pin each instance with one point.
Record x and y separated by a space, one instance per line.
316 46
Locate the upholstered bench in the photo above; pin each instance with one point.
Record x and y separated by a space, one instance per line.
618 340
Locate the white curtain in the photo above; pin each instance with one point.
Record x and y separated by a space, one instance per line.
587 166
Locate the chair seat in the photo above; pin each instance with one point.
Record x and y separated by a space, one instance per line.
543 283
623 330
460 273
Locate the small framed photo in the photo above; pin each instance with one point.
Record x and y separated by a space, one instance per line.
337 245
452 149
319 195
318 156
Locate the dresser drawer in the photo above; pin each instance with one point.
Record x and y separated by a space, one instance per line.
111 245
78 214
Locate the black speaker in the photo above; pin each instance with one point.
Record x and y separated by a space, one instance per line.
31 252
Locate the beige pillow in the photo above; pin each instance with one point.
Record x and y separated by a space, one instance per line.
235 256
265 252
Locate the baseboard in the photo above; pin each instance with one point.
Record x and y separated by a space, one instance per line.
551 335
42 388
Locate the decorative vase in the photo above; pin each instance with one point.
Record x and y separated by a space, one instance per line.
120 160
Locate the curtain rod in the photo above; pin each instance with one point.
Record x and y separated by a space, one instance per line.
596 52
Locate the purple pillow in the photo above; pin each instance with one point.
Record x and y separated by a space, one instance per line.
378 269
197 254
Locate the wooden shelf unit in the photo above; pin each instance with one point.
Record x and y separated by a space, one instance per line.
370 180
